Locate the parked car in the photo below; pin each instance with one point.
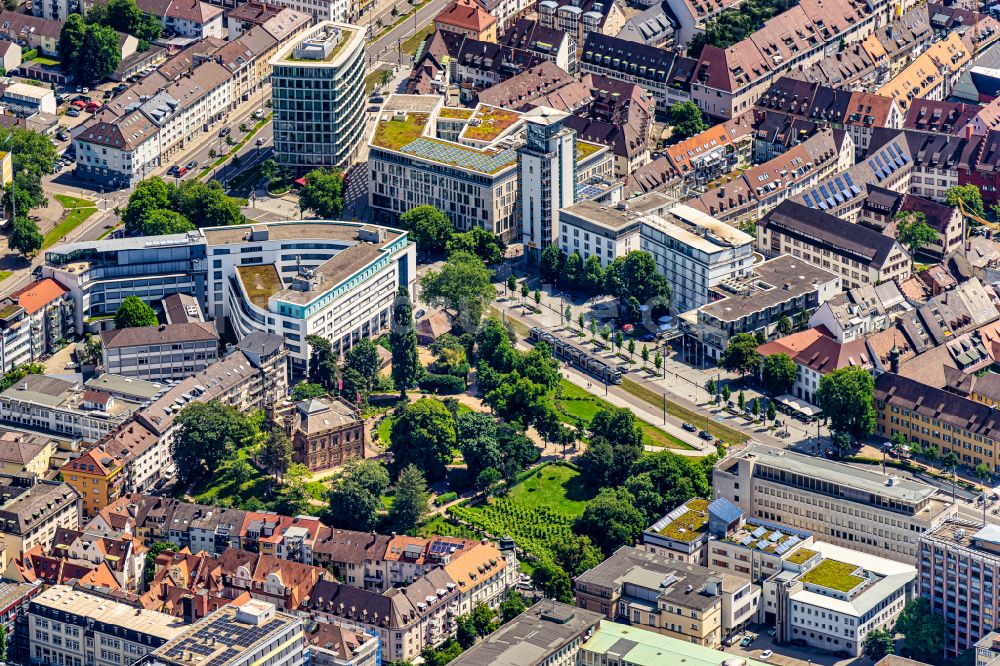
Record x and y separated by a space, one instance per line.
181 171
689 427
418 314
765 655
772 631
258 114
707 436
73 112
225 131
93 107
747 640
79 103
191 166
648 337
175 170
62 135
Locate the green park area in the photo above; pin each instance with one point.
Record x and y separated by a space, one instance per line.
575 404
77 210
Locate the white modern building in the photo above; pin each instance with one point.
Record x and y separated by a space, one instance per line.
317 89
337 280
695 252
546 165
602 231
73 628
863 509
118 153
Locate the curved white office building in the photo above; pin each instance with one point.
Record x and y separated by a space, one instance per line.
297 278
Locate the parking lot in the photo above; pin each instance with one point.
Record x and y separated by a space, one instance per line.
787 655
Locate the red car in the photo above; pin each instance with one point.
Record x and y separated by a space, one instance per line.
93 107
181 171
80 104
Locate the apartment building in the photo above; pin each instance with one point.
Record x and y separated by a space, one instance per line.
317 89
664 74
728 82
64 407
553 45
550 633
874 513
711 154
938 418
597 230
816 355
71 627
580 19
26 451
33 320
958 564
932 74
159 353
184 108
468 19
33 510
668 596
239 634
750 195
118 153
857 254
784 286
332 645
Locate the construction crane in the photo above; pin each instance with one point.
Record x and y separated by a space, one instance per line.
972 216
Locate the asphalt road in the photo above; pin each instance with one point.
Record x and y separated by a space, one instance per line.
386 48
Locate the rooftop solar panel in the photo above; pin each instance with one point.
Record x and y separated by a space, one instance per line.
759 532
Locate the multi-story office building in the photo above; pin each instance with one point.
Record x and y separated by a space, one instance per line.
695 252
463 163
780 287
73 628
317 90
100 274
548 633
64 407
546 166
32 511
597 230
159 353
863 509
959 566
335 279
858 254
668 596
237 635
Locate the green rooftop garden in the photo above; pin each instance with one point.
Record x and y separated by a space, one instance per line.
492 123
834 575
689 525
260 283
398 132
585 149
9 310
801 556
458 114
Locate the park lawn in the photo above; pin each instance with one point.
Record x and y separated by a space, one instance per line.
77 209
584 405
702 422
558 487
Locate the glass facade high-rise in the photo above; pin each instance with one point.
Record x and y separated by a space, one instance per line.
318 100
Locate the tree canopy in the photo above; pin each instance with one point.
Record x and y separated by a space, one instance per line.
133 313
735 24
88 51
323 193
969 195
913 231
207 435
685 121
429 228
403 342
157 207
410 504
356 501
611 520
924 630
478 241
25 236
463 285
424 436
322 363
635 281
162 222
846 397
778 373
741 354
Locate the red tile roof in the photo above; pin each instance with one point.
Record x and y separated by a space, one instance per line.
465 15
37 295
